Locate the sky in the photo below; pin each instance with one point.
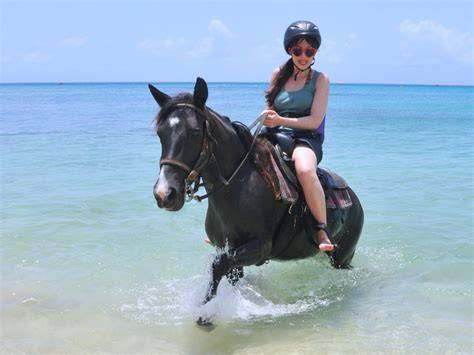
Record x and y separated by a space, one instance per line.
393 42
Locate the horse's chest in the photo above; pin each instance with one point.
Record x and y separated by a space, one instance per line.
244 210
233 220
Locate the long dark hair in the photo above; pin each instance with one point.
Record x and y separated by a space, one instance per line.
286 69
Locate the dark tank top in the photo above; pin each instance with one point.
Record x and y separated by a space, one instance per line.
298 103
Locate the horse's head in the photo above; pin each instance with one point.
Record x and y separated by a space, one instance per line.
180 127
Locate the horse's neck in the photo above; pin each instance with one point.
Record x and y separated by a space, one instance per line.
228 150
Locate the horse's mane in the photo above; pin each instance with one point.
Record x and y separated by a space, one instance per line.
187 98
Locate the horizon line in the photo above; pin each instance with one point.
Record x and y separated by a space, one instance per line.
211 82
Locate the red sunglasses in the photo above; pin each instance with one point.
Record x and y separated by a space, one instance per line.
297 51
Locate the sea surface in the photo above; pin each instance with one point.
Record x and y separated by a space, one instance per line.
90 264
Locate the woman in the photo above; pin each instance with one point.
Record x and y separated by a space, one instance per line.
297 99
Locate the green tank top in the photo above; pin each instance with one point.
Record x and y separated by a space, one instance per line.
299 101
296 101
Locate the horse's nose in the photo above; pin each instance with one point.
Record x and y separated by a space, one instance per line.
164 195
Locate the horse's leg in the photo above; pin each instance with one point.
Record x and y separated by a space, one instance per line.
245 255
220 266
248 254
234 275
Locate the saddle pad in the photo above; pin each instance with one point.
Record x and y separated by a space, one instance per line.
267 162
331 179
338 199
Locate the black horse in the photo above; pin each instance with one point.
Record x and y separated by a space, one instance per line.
242 216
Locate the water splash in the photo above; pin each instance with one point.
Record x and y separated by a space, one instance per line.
180 300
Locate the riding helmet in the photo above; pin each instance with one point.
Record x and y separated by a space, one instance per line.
301 29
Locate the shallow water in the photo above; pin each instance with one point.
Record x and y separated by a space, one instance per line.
90 264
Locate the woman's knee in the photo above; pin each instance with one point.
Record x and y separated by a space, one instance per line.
306 171
305 162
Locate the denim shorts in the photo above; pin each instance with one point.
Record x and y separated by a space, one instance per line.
309 138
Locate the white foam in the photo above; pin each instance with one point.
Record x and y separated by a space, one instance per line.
180 300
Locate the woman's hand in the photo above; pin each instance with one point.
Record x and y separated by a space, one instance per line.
272 118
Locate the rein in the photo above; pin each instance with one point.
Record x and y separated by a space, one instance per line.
206 155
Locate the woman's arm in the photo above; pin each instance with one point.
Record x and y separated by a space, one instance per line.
318 110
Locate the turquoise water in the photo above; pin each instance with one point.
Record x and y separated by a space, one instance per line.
89 263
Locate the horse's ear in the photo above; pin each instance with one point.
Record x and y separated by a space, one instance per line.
160 97
200 93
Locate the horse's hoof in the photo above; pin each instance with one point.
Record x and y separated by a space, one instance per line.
205 324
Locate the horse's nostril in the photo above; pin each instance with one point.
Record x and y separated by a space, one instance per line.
171 195
156 194
165 199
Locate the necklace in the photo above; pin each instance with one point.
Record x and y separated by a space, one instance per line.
299 70
302 71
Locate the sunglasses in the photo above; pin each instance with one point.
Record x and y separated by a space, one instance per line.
297 51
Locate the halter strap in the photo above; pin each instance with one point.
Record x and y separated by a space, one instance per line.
169 161
194 107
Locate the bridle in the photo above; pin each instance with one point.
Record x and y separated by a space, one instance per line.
206 156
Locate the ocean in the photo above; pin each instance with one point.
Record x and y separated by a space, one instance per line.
90 264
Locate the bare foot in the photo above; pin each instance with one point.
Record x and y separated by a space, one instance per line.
324 242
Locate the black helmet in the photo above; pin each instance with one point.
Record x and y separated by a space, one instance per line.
301 29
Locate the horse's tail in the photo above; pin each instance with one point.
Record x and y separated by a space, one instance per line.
349 235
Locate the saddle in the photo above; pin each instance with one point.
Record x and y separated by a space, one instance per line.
272 157
243 132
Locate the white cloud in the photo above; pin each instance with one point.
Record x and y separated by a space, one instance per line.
272 50
200 48
334 52
217 27
36 57
456 44
351 41
73 42
203 48
160 46
331 52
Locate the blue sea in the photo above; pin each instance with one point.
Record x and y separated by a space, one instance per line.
90 264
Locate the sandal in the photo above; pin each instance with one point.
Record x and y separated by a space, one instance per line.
323 226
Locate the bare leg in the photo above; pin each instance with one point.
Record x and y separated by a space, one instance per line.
305 164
